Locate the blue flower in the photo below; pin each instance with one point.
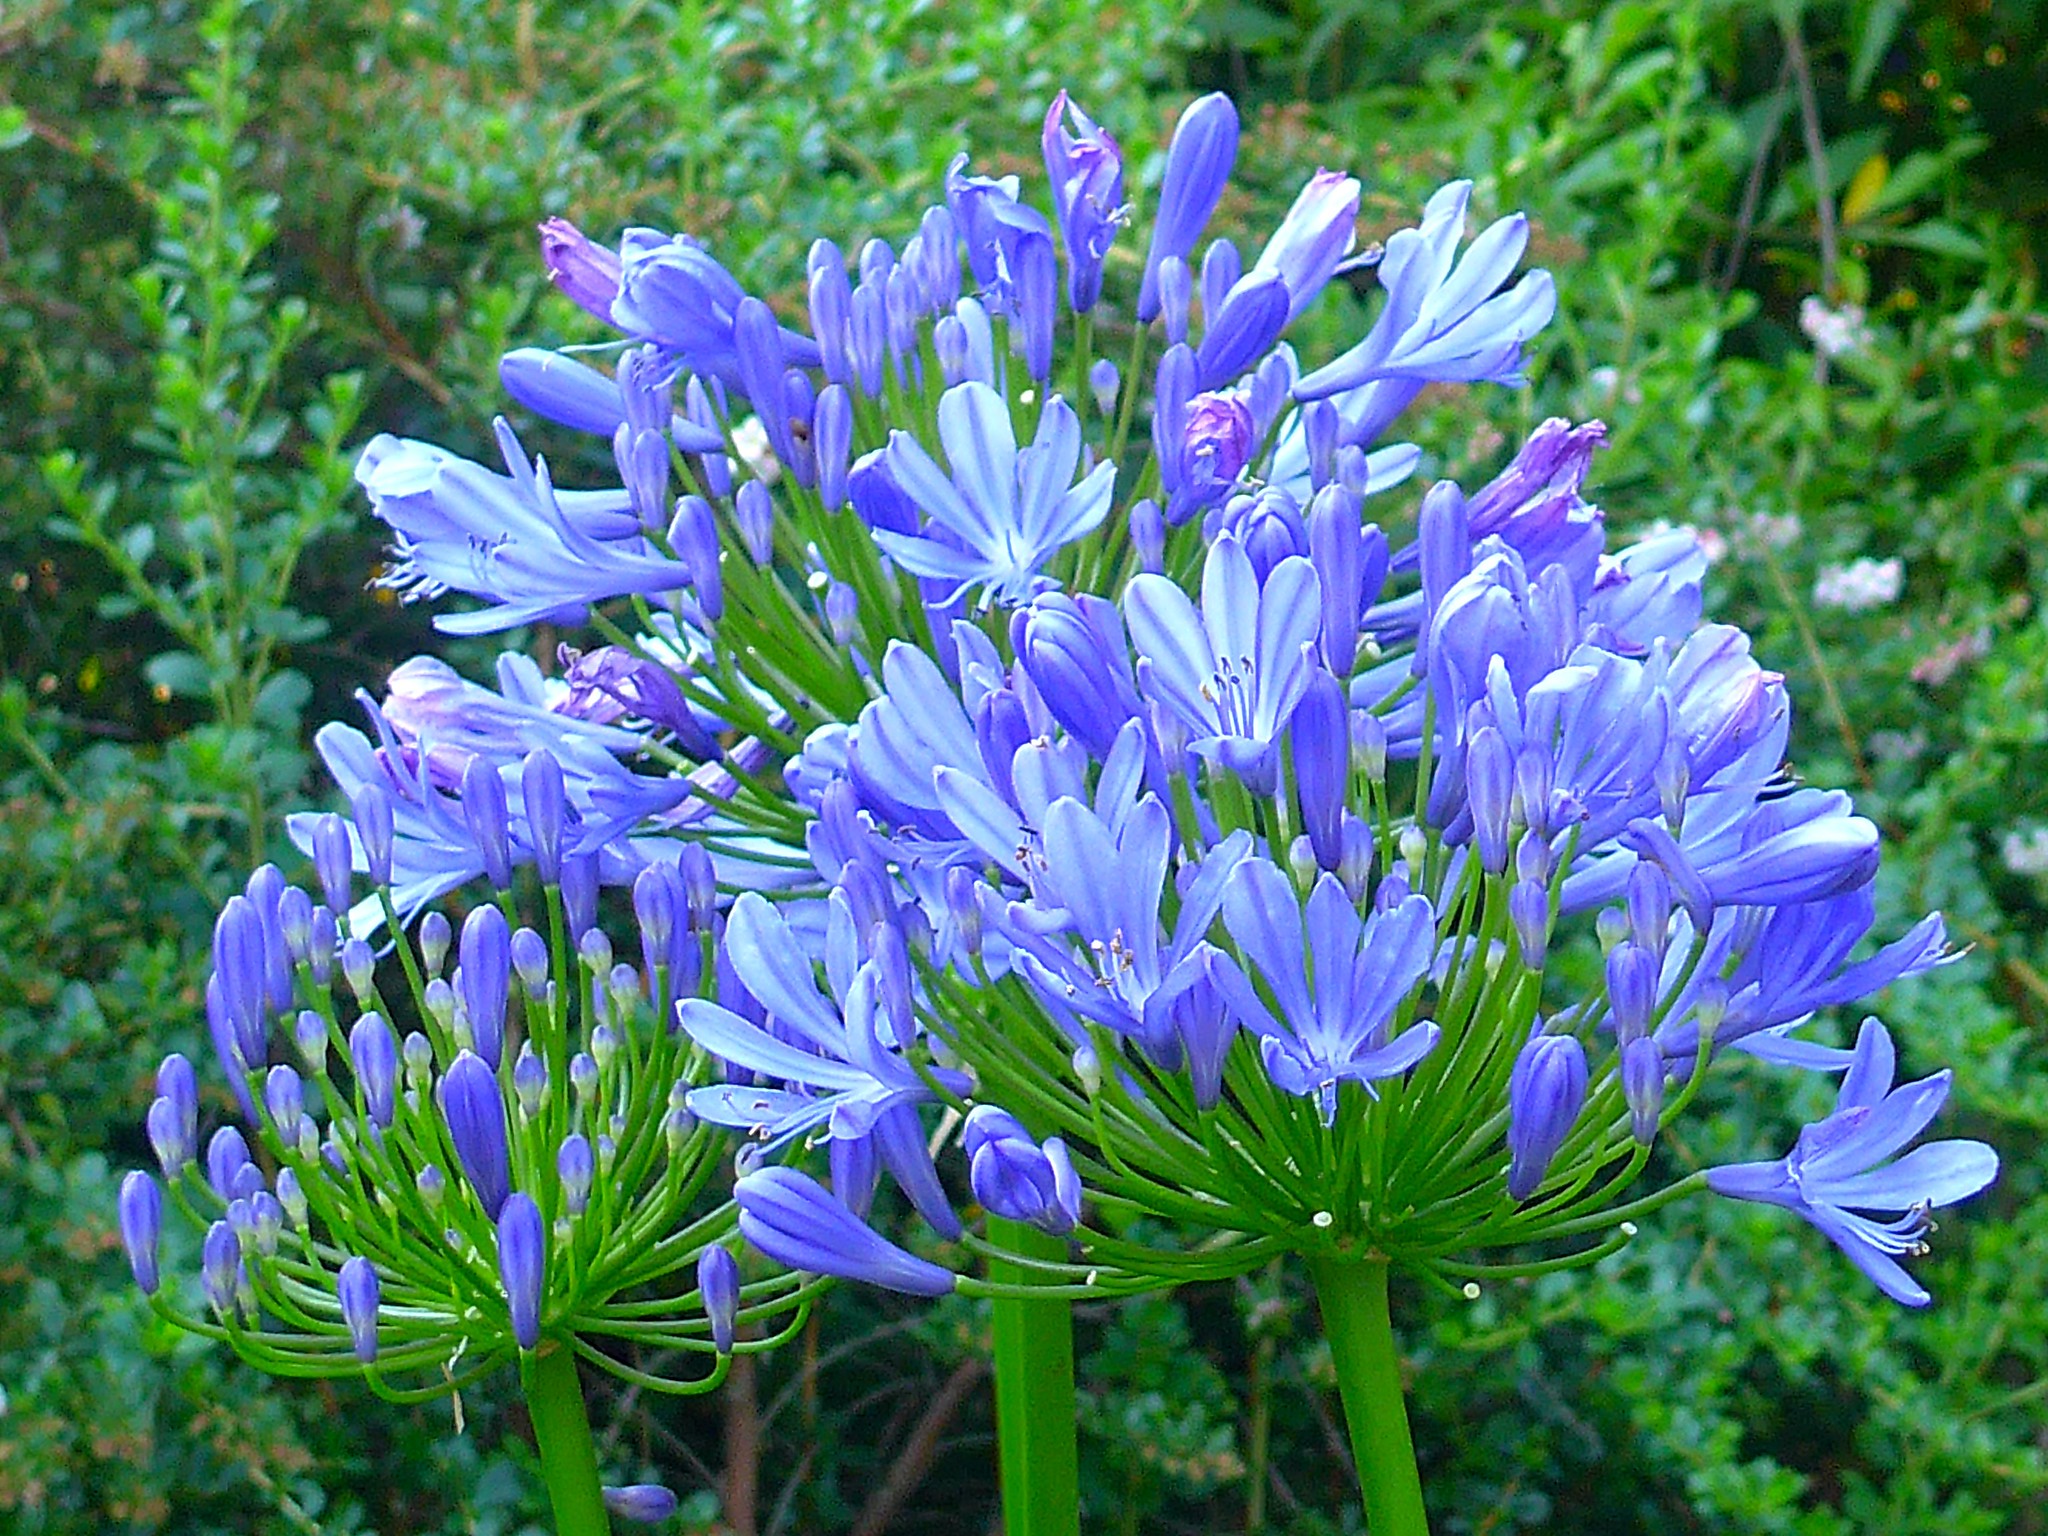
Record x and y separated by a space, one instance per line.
1198 162
1838 1168
1233 672
673 293
1004 510
1445 320
535 553
798 1222
1087 173
1338 981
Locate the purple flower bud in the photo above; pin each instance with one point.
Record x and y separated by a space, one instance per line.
295 921
227 1154
1631 989
1036 276
657 893
333 863
370 807
290 1197
583 1077
1321 737
1221 269
1320 424
285 1097
870 338
939 238
832 440
754 511
1642 1084
949 341
268 1212
718 1287
1611 928
220 1267
356 1286
1354 865
1490 788
1529 912
1198 162
484 979
1534 779
359 969
604 1046
529 1080
543 797
587 273
579 892
1176 294
1103 380
475 1114
700 884
248 1182
963 907
322 935
432 1184
1086 170
172 1142
1013 1177
435 935
642 1503
522 1265
1545 1093
1336 547
141 1209
1148 536
1216 444
373 1057
489 819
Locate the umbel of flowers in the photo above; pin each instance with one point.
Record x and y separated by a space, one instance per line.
1082 762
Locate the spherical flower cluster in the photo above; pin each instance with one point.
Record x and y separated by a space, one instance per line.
1104 768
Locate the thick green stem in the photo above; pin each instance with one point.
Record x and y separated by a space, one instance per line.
561 1429
1035 1411
1353 1296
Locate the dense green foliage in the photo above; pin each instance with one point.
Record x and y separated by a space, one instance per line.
232 245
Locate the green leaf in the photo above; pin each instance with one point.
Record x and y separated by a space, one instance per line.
180 673
1873 27
279 701
14 129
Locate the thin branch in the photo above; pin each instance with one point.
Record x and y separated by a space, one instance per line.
919 1451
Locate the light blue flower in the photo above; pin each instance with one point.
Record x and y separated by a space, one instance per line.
1004 510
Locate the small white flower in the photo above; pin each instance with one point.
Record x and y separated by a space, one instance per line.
1861 584
2024 851
1833 331
750 441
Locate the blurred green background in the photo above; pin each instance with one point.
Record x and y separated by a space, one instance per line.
1798 258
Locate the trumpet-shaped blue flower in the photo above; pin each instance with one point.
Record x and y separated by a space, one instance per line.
795 1220
1004 510
1338 979
1234 671
1839 1168
533 552
1446 319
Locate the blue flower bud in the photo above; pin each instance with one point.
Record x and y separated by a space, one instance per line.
604 1047
418 1054
1015 1178
441 1005
489 819
483 979
543 797
220 1267
1369 745
295 920
1631 989
334 861
1358 849
842 606
530 960
1198 162
1546 1090
370 808
718 1287
1535 775
963 906
1533 860
1222 266
172 1141
309 1037
1148 535
583 1078
227 1154
1336 547
642 1503
1320 424
694 535
248 1182
754 512
656 896
869 336
579 892
359 969
1270 392
700 884
285 1097
594 949
522 1265
1489 789
373 1056
1321 741
1529 914
356 1286
321 940
949 341
562 389
435 935
1103 381
1176 293
1610 927
432 1184
178 1086
1649 907
238 966
265 891
1240 334
1642 1084
575 1167
832 440
269 1213
141 1209
856 1172
475 1116
831 308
